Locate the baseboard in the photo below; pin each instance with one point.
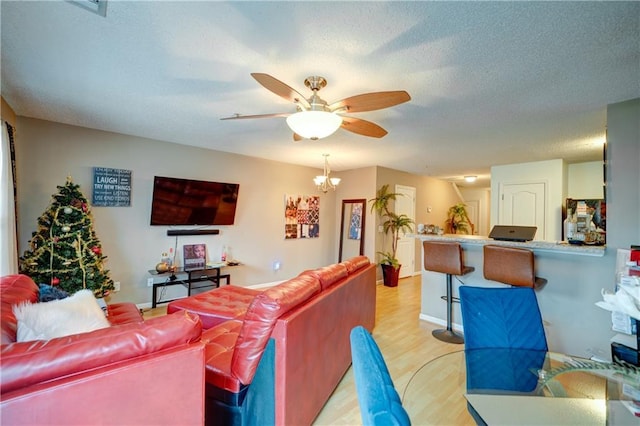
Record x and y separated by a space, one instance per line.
434 320
147 305
265 285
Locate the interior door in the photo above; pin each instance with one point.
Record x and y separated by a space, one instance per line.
406 204
524 204
473 211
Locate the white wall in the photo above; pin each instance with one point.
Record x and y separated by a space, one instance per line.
623 174
48 152
580 180
585 180
551 172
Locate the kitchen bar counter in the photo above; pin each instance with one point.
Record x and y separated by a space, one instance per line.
575 277
558 247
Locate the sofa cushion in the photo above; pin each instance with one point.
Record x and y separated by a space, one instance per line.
329 275
79 313
218 305
356 263
27 363
260 319
14 289
220 342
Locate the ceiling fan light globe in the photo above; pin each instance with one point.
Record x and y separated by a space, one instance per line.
314 124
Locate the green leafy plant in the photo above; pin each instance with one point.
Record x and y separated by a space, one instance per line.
458 221
392 223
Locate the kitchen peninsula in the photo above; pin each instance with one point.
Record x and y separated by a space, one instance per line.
566 301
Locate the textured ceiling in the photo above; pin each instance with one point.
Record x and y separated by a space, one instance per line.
491 82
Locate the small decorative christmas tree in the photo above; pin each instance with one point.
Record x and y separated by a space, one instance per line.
65 251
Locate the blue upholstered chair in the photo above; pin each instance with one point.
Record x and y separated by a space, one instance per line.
379 401
504 340
506 318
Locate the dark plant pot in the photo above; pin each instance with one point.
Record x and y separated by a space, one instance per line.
390 275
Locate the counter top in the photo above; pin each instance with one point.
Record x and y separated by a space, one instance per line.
548 246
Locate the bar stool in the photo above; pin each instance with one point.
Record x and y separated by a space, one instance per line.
446 257
511 265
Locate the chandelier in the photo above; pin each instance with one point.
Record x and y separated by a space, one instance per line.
324 182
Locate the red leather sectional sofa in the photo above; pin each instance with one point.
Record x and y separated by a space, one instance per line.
134 372
275 356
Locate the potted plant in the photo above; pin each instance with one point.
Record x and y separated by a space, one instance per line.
392 224
458 221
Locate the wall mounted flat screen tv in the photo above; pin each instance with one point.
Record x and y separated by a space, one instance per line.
193 202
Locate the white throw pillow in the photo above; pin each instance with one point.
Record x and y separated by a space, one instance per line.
79 313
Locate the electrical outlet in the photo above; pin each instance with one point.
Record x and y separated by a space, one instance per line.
149 282
116 286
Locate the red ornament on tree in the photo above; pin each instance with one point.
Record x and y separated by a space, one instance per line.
55 281
96 249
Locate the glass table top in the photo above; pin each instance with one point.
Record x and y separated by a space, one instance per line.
492 378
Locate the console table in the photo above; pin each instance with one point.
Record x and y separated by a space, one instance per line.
210 274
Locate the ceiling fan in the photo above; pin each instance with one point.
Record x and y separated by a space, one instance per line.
311 112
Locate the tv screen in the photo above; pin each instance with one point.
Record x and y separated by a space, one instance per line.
193 202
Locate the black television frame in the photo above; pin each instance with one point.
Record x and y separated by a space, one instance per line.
191 202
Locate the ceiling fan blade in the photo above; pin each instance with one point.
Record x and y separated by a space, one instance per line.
362 127
242 117
280 89
370 101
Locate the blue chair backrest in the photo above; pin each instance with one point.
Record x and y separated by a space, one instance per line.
497 317
379 401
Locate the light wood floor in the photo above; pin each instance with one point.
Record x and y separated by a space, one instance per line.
405 341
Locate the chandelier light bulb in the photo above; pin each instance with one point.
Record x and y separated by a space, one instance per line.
319 180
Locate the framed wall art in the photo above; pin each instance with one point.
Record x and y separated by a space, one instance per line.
301 216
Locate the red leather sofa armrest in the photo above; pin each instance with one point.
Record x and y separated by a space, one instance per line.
260 319
123 313
14 289
26 363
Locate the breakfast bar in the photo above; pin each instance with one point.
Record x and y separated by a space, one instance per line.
575 277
